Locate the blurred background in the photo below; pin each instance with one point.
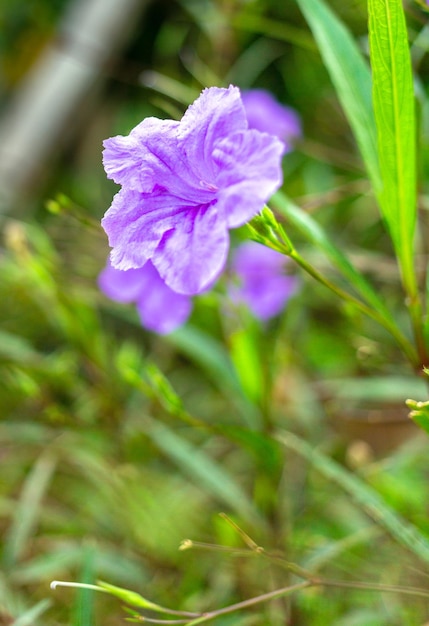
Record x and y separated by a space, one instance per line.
117 444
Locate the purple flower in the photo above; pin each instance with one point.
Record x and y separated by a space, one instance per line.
264 286
184 185
269 116
160 309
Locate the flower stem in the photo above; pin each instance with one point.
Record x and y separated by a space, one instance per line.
403 342
312 582
265 597
271 595
415 310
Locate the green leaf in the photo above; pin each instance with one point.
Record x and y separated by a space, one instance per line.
29 617
211 476
389 389
83 613
247 361
316 235
211 356
17 349
208 354
255 23
405 533
350 75
394 109
29 508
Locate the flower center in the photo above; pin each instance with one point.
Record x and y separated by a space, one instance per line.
208 186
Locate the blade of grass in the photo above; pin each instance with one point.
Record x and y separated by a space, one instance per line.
247 360
211 356
210 475
405 533
208 353
393 100
350 75
394 109
315 234
308 226
83 612
29 617
272 28
28 508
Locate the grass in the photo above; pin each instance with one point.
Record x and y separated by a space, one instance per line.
116 445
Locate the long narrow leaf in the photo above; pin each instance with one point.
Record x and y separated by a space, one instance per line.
211 476
306 224
315 234
29 617
28 508
350 75
371 502
394 109
212 357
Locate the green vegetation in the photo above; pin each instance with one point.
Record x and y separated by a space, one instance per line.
232 458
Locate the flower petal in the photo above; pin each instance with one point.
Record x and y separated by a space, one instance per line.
249 172
139 160
151 158
268 297
191 257
121 285
267 115
213 116
160 309
264 286
136 223
252 258
184 185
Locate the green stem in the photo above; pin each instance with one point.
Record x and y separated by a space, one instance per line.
410 591
311 582
271 595
265 597
415 310
266 229
406 346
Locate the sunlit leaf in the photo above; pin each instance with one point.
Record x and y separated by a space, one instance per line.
350 75
394 109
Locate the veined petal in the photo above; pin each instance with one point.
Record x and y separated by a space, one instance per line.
191 257
136 223
150 158
132 161
121 160
213 116
184 185
164 161
249 172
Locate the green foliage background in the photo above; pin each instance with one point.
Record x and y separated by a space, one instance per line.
116 444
